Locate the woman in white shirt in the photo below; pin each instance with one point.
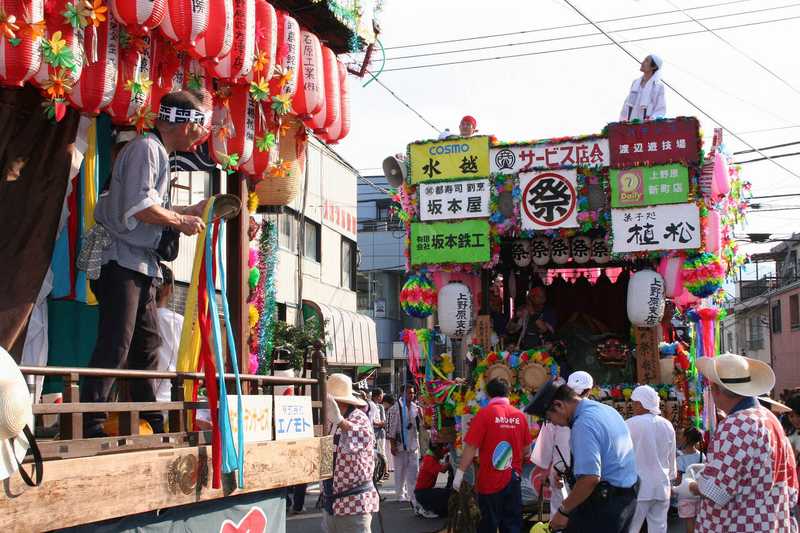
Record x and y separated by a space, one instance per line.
645 100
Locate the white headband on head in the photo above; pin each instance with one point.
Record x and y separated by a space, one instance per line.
177 115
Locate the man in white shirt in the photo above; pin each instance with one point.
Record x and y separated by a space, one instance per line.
654 444
646 100
551 451
170 325
403 436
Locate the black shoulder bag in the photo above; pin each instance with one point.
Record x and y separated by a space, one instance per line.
167 248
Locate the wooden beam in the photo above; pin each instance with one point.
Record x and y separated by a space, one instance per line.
238 273
80 491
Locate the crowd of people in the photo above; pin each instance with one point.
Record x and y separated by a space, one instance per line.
600 472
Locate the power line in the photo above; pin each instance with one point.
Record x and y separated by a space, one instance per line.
774 196
767 148
551 28
585 47
676 91
425 120
374 185
767 158
739 50
592 34
764 130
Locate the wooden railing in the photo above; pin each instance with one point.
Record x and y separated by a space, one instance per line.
70 443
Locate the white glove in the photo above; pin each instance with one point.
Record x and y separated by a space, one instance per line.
332 414
457 479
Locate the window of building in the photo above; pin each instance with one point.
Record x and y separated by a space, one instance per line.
776 317
794 311
313 242
383 210
280 309
287 224
729 347
349 251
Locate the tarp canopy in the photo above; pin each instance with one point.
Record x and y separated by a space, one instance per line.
351 337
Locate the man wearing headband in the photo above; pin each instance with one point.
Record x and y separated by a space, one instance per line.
645 100
131 216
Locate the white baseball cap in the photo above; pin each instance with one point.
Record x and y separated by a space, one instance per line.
580 381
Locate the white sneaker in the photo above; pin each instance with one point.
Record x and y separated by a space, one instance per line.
424 513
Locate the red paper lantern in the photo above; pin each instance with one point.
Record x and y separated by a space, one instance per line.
168 70
311 86
341 126
266 41
218 38
185 21
21 28
54 22
139 16
98 80
260 160
133 81
317 121
234 127
238 63
288 52
332 93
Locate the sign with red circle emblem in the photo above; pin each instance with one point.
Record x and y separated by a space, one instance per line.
549 199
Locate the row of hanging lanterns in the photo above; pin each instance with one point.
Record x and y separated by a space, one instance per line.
121 58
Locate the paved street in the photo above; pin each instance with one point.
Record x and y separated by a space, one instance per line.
397 517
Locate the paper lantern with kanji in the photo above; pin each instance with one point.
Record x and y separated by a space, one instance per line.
266 41
341 126
600 253
95 88
540 251
327 115
455 310
133 81
21 29
139 16
646 298
671 269
185 21
288 52
581 249
521 252
560 250
311 86
238 63
55 22
218 37
234 128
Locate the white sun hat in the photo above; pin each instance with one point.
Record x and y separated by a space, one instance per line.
340 387
740 375
580 381
16 421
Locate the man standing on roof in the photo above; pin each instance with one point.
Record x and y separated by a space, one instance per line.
120 252
645 100
499 434
551 453
603 480
749 482
654 443
468 126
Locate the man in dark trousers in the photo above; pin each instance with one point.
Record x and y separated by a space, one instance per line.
432 500
500 436
131 216
603 481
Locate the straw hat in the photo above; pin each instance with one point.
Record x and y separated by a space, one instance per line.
16 412
740 375
533 375
500 371
340 387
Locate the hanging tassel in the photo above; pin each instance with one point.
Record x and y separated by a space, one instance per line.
95 46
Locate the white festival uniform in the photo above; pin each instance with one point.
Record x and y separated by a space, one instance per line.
645 102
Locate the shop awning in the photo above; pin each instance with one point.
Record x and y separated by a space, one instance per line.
351 337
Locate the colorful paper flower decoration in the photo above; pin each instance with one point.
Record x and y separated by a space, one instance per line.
703 274
265 142
418 296
8 25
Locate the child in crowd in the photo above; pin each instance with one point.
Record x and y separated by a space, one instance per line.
690 442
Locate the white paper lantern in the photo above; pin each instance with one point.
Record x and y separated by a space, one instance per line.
646 298
600 253
521 252
455 310
559 250
540 251
581 249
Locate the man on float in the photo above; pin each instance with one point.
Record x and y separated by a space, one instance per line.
468 126
499 435
538 322
645 100
551 453
123 263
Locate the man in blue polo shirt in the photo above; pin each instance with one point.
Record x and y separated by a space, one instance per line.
603 478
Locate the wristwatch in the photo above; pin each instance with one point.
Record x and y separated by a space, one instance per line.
562 512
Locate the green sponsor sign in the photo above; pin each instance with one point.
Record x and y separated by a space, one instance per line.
445 242
661 184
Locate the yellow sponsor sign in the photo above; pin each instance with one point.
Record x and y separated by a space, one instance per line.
451 159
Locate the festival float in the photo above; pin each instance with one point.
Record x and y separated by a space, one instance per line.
624 238
78 76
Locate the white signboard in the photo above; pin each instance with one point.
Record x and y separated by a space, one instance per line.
454 200
513 159
549 199
293 418
661 227
257 417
